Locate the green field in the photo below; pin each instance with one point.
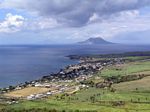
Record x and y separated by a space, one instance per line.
137 85
82 101
136 58
126 69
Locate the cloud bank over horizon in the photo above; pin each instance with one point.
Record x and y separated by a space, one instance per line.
73 20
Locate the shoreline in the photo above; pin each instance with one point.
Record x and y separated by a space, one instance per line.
70 72
72 79
73 71
52 73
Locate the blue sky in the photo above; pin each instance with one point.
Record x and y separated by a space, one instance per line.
70 21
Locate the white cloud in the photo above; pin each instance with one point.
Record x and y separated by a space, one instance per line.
12 23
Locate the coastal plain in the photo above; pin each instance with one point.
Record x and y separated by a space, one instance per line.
123 96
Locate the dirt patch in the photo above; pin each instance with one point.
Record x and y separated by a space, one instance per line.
26 92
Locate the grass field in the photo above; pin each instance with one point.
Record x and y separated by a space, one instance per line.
126 69
142 84
2 106
136 58
81 101
26 92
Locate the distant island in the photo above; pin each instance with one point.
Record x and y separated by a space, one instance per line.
95 41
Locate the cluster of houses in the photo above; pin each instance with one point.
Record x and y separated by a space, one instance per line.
75 71
60 89
38 96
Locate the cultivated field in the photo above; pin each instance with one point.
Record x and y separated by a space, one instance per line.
138 85
126 69
27 91
83 101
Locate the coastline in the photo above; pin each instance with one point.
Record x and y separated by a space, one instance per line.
60 81
74 78
82 60
51 73
36 61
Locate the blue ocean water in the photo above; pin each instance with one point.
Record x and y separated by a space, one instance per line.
24 63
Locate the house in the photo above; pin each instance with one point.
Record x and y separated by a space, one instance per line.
31 97
49 93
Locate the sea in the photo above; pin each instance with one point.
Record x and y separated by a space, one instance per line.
20 63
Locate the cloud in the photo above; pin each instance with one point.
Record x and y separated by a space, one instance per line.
75 12
12 23
40 24
69 21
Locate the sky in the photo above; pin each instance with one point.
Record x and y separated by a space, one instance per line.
71 21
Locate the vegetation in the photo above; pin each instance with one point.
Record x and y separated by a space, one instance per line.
91 99
137 85
125 69
131 96
139 55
